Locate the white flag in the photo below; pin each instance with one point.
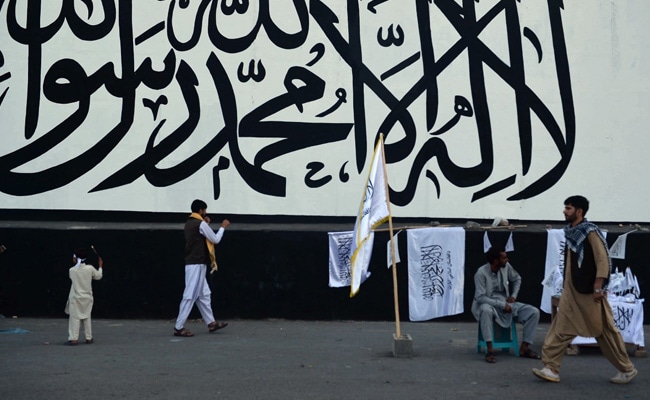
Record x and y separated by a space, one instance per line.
436 270
339 257
373 212
510 246
555 244
618 248
389 251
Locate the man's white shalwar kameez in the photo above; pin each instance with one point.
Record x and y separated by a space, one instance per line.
197 291
80 300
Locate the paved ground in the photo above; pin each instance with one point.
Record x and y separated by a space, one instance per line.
280 359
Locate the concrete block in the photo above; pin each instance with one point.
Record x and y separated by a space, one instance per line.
573 350
402 346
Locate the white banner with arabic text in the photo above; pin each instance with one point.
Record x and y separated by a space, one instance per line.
436 270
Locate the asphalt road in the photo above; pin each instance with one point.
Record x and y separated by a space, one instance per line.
281 359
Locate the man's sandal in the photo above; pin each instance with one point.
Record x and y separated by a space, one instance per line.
215 326
530 354
490 358
182 332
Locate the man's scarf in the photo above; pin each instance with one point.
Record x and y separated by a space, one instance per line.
575 239
213 260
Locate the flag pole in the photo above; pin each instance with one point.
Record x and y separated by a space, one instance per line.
398 330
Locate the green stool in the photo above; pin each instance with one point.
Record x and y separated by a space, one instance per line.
504 338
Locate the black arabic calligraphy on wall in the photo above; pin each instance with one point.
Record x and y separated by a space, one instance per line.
68 82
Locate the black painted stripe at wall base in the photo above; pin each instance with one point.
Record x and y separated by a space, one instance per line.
263 273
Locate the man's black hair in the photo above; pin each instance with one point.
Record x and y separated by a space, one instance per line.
494 253
198 205
580 202
81 253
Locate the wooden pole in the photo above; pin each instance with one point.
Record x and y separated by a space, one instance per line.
398 330
410 227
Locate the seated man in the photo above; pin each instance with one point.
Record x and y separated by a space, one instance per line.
497 286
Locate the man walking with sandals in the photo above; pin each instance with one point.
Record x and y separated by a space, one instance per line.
199 252
584 309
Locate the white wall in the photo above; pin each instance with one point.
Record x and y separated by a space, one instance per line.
57 166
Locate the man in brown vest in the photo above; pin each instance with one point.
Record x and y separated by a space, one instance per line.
584 309
199 253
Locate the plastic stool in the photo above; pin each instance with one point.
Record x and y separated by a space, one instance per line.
503 338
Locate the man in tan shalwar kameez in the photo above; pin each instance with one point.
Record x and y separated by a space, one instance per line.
584 309
80 300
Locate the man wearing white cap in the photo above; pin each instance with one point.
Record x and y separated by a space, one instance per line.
80 300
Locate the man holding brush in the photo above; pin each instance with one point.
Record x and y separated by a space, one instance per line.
80 300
